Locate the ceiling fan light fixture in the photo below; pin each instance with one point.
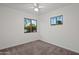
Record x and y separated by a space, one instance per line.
36 9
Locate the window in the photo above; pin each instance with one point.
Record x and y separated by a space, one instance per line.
57 20
30 25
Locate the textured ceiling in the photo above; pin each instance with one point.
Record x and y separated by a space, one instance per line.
28 7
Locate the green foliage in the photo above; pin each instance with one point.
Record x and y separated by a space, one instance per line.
33 26
27 28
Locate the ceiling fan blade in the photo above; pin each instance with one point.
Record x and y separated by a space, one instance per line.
41 6
36 5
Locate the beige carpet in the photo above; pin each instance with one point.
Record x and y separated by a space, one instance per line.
37 47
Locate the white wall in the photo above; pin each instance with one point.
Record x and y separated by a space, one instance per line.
12 28
66 35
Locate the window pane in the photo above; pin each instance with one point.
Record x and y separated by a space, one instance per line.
57 20
60 19
26 25
53 20
34 25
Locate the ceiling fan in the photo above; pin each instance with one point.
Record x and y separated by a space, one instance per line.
36 7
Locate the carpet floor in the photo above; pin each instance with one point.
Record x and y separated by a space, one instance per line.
37 47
